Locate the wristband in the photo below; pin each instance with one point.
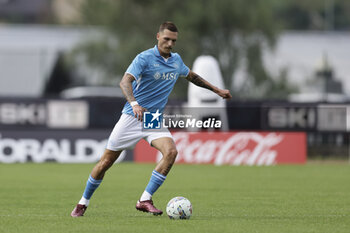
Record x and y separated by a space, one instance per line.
133 103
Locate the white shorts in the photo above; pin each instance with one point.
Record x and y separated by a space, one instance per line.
129 131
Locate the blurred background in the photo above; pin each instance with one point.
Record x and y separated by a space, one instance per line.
285 62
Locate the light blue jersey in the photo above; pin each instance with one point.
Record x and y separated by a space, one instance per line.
155 78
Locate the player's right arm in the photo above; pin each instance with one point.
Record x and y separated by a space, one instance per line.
126 86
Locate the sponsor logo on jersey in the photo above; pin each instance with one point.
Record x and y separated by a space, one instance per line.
157 75
166 76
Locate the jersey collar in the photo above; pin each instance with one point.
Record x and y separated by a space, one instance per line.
156 51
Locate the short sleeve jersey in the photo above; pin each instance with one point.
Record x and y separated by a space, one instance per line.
155 78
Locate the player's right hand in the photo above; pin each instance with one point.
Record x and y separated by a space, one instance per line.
138 112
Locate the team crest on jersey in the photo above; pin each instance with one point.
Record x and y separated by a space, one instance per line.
176 66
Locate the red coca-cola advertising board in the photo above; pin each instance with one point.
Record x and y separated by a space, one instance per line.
232 148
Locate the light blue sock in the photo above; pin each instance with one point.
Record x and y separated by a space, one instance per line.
91 186
155 182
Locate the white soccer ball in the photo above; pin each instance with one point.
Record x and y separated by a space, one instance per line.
179 208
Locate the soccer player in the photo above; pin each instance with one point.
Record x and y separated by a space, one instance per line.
146 85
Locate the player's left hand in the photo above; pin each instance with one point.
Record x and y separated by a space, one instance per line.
224 93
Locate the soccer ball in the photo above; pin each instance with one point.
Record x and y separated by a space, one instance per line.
179 208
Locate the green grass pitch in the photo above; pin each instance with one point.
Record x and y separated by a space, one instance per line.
307 198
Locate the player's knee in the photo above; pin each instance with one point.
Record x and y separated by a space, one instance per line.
171 154
106 163
108 159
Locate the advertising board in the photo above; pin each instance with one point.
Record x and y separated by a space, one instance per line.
232 148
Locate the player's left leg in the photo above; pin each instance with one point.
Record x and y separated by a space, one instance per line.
167 147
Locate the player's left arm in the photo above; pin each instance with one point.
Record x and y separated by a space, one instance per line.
201 82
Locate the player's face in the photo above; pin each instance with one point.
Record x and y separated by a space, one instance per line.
166 42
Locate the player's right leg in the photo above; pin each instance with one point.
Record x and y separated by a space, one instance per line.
107 160
125 134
